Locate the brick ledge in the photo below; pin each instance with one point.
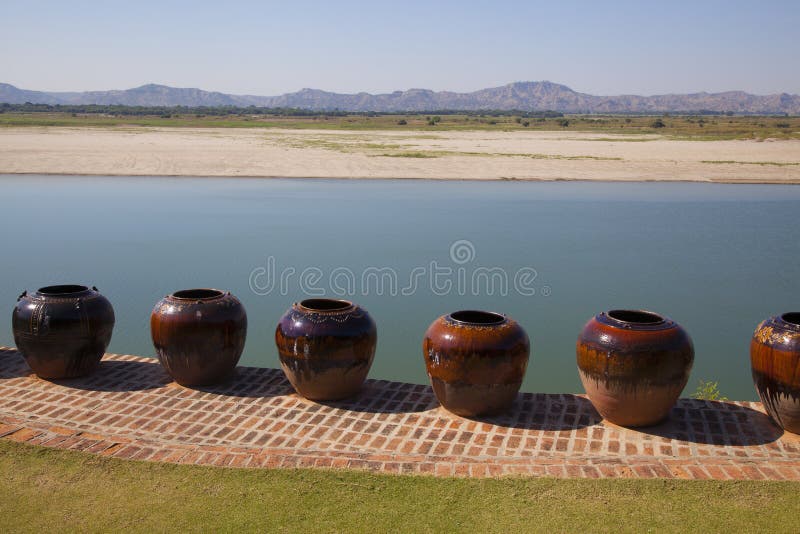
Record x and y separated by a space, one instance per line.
130 409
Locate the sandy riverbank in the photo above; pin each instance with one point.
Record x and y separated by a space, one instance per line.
520 155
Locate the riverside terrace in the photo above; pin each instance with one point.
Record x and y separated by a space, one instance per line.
130 408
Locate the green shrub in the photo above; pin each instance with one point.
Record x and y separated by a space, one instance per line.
708 391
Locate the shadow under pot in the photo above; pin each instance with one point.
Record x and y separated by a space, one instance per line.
63 331
476 361
634 365
199 335
326 347
775 362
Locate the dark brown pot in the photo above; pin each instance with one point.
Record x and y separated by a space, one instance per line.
199 335
476 361
634 365
326 347
63 331
775 361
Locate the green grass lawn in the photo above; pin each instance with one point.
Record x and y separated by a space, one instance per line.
46 489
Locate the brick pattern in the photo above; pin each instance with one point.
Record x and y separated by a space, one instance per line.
131 409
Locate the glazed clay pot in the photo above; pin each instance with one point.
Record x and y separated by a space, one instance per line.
634 365
63 331
476 361
199 335
326 347
775 361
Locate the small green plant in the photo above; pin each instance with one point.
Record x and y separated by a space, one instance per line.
708 390
526 123
402 122
564 123
658 123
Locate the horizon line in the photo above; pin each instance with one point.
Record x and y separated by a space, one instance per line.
398 90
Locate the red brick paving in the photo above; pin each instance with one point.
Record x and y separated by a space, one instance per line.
131 409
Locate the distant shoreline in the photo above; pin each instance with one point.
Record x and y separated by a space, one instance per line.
426 179
533 156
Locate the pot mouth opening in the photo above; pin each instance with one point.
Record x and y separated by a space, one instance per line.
477 317
325 305
635 317
792 318
67 289
197 294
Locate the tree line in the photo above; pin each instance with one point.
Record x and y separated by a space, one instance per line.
219 111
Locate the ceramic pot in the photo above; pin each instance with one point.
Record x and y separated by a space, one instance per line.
199 335
476 361
63 331
326 347
634 365
775 362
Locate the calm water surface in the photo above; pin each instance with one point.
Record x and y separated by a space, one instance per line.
716 258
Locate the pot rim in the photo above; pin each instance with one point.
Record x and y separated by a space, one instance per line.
463 317
62 290
197 294
790 319
324 305
634 319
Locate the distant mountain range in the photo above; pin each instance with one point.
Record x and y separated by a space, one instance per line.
525 96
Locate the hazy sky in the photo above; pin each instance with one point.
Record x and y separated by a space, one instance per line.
267 48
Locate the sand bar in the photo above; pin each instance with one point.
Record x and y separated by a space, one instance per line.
478 155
